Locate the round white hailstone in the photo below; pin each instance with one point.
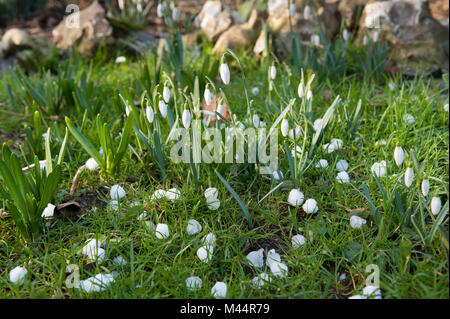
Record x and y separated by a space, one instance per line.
114 205
197 22
193 283
93 251
117 192
97 283
255 90
301 90
342 277
295 133
310 206
159 194
175 14
307 12
337 142
211 192
425 187
436 205
273 72
219 109
342 165
208 96
272 256
186 119
256 258
260 280
357 222
279 269
446 107
162 231
298 241
166 94
193 227
322 163
379 169
121 59
277 175
173 194
372 292
224 73
284 127
204 254
213 203
391 86
119 261
409 176
399 155
317 124
357 297
48 211
219 290
408 119
91 164
297 151
295 197
17 275
162 106
342 177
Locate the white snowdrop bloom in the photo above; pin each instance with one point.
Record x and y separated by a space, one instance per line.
322 163
342 177
208 96
219 109
204 254
436 205
357 297
121 59
310 206
284 127
279 269
193 227
301 90
379 169
345 35
337 142
159 194
260 280
213 203
166 94
399 155
315 40
342 165
342 277
175 14
309 95
372 292
297 152
224 73
97 283
48 211
295 197
128 109
255 90
114 204
117 192
273 72
446 107
17 275
408 119
255 120
219 290
298 241
160 9
270 85
391 86
197 21
162 108
150 114
375 36
211 192
365 40
193 283
307 12
425 187
409 176
262 124
357 222
277 175
293 9
186 119
91 164
173 194
119 261
295 133
317 124
162 231
272 256
256 258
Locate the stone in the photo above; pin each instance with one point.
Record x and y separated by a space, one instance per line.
214 20
350 10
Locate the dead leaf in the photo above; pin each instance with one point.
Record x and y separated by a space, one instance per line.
68 210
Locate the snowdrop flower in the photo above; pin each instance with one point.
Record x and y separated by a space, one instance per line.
193 283
295 133
128 109
208 96
255 120
211 192
162 231
322 163
166 94
408 119
317 124
379 169
293 9
284 127
205 253
256 258
160 9
375 36
270 85
17 275
172 194
300 90
307 12
297 152
342 177
356 221
48 211
162 108
365 40
279 269
315 40
342 165
97 283
121 59
193 227
409 176
260 280
150 114
335 144
273 72
391 86
446 107
436 205
224 73
399 155
345 35
255 90
159 194
117 192
309 95
425 187
310 206
197 22
219 290
91 164
372 291
298 241
175 14
272 256
295 197
186 119
213 203
119 261
209 241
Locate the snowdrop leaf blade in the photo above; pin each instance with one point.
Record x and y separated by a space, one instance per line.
324 123
279 118
63 148
48 154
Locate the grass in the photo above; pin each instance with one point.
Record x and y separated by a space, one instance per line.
410 267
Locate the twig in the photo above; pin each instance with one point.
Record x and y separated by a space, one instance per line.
75 179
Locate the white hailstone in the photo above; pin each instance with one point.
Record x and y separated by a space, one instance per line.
119 261
213 203
322 163
315 40
409 176
365 40
310 206
277 175
208 96
261 280
17 275
342 165
91 164
408 119
162 231
301 90
175 14
150 114
173 194
425 187
342 277
159 194
166 94
357 297
317 124
372 292
273 72
121 59
309 95
436 205
307 12
211 192
117 192
193 283
48 211
379 169
256 258
193 227
160 9
255 90
128 109
298 241
293 9
295 197
279 269
97 283
399 155
162 108
446 107
346 35
284 127
114 204
224 73
219 290
204 254
186 119
375 36
391 86
209 241
356 221
295 133
342 177
272 257
93 251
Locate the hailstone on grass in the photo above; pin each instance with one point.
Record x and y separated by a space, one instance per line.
260 280
121 59
322 163
193 227
162 231
119 261
255 90
91 164
172 194
219 290
211 192
97 283
205 254
117 192
356 221
279 269
17 275
342 177
342 165
372 292
272 256
408 119
158 194
295 197
48 211
298 241
193 283
213 203
93 251
256 258
310 206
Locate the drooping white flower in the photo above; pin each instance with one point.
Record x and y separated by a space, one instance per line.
162 231
193 227
197 21
372 292
193 283
409 176
186 119
375 36
48 211
255 120
272 256
121 5
270 85
317 124
91 164
379 169
219 290
295 133
342 165
446 107
293 9
391 86
295 197
150 114
310 206
260 280
117 192
279 269
436 205
342 177
297 151
365 40
307 12
408 119
425 187
315 40
301 90
121 59
208 96
166 94
356 221
172 194
97 283
399 155
273 72
284 127
175 14
256 258
309 95
162 108
322 163
17 275
255 90
345 35
224 73
298 241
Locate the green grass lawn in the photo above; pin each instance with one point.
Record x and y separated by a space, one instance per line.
402 237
